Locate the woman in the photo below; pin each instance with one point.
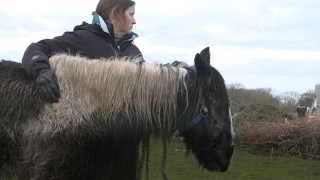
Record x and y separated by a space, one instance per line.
109 35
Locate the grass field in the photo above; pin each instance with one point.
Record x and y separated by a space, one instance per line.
244 166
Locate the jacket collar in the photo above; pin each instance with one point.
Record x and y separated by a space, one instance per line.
97 29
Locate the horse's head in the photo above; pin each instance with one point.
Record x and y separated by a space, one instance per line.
209 135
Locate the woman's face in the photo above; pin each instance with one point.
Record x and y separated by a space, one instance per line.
126 24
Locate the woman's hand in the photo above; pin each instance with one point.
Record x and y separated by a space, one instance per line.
47 86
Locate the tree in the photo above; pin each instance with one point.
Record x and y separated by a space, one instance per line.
239 94
289 101
306 99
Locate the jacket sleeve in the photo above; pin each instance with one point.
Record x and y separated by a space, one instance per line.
36 57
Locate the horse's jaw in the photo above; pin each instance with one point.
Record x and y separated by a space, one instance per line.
216 160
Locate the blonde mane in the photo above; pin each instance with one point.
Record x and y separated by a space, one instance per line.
120 87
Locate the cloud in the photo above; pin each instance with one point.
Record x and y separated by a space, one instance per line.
38 8
256 43
216 29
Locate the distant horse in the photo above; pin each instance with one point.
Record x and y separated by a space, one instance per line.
106 108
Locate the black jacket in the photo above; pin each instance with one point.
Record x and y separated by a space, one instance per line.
86 40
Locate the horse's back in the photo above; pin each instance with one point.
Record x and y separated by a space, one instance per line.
18 95
19 101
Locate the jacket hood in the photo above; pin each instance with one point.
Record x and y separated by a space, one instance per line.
92 28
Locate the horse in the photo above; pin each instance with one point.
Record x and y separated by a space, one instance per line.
107 107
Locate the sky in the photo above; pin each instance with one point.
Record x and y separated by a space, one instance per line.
259 44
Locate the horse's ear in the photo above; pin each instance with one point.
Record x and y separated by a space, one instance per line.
205 54
202 61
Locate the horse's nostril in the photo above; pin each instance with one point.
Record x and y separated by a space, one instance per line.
223 169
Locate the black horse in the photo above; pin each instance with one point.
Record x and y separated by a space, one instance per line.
106 108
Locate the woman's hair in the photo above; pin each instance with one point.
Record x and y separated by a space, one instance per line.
105 7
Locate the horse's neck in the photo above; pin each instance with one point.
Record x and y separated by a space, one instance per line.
145 96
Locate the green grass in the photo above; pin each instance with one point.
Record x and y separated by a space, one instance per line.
244 166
